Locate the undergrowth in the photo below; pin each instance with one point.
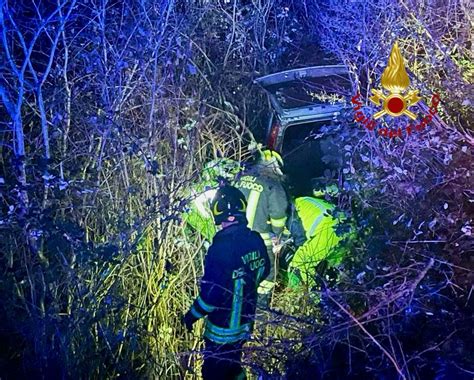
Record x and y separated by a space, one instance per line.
109 113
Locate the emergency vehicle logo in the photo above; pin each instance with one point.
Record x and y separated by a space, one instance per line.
396 81
395 98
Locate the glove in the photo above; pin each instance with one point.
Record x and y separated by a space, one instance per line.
188 321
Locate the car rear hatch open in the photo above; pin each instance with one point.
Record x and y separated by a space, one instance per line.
305 100
309 92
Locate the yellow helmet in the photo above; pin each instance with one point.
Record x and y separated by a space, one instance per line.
269 156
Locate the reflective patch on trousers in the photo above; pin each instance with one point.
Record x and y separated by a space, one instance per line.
265 287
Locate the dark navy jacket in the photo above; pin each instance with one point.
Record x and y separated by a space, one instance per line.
235 264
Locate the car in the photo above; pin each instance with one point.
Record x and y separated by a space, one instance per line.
306 104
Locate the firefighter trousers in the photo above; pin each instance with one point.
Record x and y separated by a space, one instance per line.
222 361
267 285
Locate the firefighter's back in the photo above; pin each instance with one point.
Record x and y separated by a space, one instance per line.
238 262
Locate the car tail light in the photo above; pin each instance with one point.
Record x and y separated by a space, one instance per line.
272 137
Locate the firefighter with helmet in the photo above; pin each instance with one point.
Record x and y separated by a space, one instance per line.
267 204
198 213
234 266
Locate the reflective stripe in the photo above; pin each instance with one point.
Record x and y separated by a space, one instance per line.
315 202
196 313
205 306
322 209
225 335
267 239
265 287
226 339
223 331
280 222
237 303
315 225
252 204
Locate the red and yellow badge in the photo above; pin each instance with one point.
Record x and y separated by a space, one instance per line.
395 100
396 81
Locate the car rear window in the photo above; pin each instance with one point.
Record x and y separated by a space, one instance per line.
334 89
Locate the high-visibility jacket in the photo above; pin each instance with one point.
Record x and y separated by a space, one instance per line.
319 243
267 202
234 266
198 214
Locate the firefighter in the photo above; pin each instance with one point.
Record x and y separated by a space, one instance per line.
198 213
313 226
234 266
262 185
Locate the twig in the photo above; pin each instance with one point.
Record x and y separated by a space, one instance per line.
392 359
419 241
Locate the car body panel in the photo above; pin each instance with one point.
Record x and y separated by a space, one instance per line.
294 130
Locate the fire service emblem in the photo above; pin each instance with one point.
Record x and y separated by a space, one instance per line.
395 80
395 100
